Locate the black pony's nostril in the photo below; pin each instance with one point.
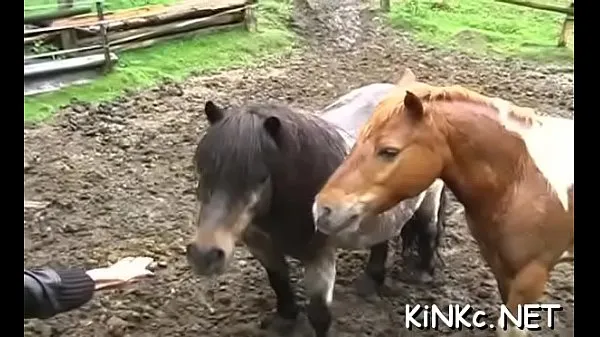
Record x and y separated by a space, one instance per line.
204 258
326 211
215 255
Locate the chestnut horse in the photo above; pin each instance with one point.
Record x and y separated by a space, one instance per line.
511 169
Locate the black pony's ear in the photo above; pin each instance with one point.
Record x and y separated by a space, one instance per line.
413 105
272 124
213 112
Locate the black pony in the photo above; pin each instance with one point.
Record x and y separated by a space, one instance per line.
258 171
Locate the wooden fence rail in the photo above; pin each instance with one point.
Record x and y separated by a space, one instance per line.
551 8
568 22
49 16
86 3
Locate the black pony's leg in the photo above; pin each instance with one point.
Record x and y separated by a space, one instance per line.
420 226
434 219
319 278
373 277
279 280
285 320
424 230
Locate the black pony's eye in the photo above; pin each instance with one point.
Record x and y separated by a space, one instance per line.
388 153
264 179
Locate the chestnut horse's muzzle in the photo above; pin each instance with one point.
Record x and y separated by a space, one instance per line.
331 220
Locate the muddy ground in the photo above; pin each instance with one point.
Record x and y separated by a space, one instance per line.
119 181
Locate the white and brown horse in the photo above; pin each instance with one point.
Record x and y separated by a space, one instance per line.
511 169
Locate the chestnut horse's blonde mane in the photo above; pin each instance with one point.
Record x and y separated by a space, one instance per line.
393 104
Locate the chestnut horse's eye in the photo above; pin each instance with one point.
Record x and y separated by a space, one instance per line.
388 153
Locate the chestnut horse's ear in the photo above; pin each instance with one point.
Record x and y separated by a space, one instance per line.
213 112
272 124
413 105
407 78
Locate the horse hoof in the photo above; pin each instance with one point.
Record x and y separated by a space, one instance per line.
331 332
278 326
416 277
393 289
366 287
424 278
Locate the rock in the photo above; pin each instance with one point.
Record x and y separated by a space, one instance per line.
483 293
43 329
117 326
115 321
70 228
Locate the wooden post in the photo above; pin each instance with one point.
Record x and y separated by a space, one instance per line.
102 31
385 5
567 28
67 37
250 18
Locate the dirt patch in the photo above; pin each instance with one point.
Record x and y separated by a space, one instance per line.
119 181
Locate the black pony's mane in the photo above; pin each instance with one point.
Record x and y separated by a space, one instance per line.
308 150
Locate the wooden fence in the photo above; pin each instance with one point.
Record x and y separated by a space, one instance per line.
66 34
91 39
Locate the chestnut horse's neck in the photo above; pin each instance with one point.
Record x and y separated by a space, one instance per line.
486 160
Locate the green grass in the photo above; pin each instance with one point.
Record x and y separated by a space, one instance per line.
485 26
177 59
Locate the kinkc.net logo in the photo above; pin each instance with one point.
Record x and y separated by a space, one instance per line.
459 317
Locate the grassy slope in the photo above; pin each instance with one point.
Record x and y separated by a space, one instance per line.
176 59
485 26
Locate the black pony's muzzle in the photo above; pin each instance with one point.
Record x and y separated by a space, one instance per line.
205 260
